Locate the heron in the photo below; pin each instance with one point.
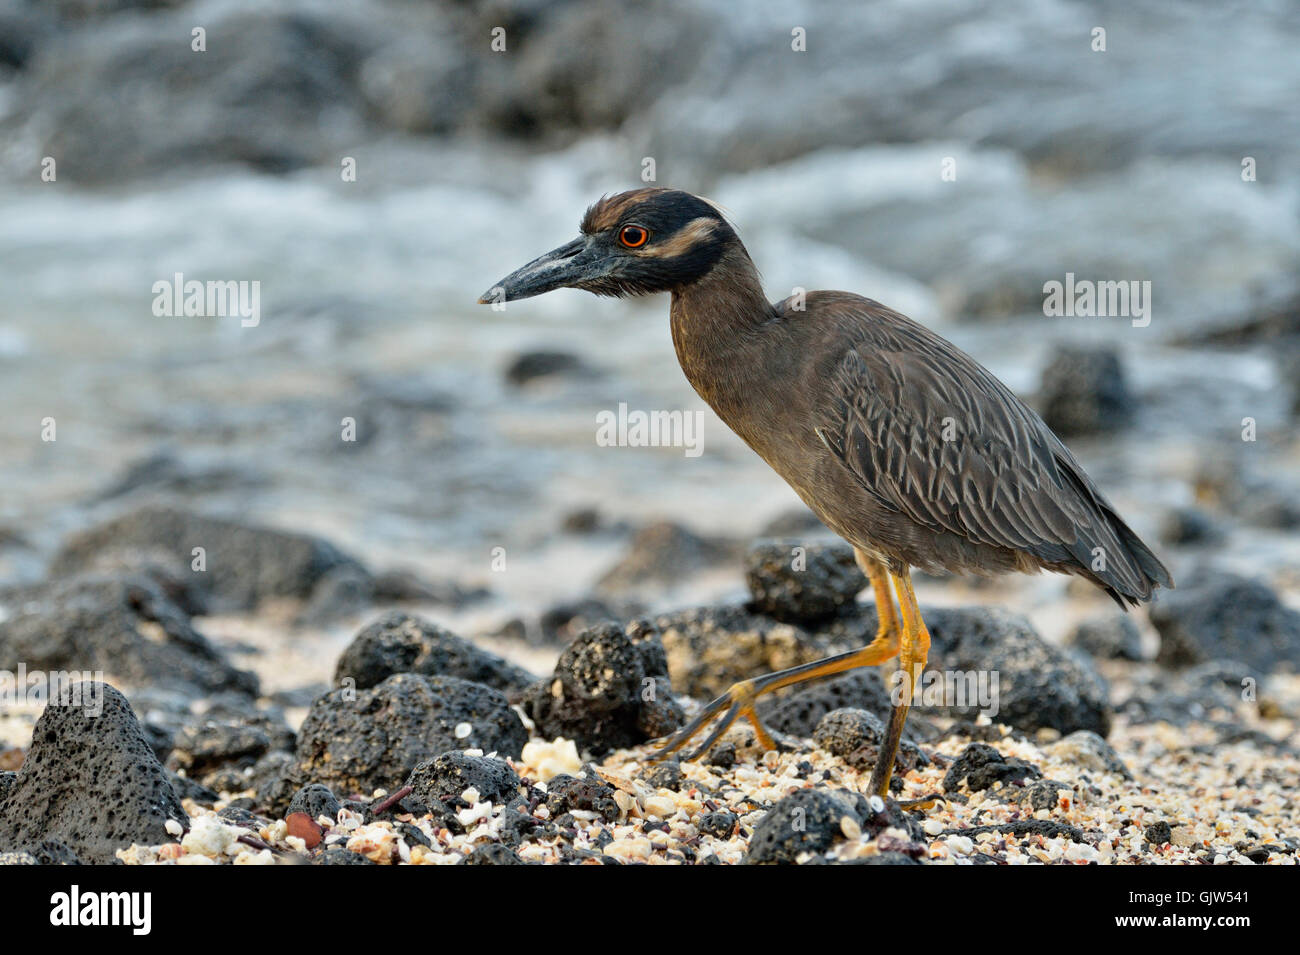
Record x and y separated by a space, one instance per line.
897 440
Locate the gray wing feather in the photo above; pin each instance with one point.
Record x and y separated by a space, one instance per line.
998 476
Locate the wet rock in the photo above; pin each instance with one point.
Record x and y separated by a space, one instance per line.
1091 752
256 96
610 688
443 779
534 365
564 621
1111 637
806 821
315 800
407 587
1038 685
590 793
359 741
801 712
980 766
710 648
548 87
245 563
1226 616
801 582
856 735
122 626
90 780
1183 526
662 554
167 473
1085 391
341 594
799 523
404 643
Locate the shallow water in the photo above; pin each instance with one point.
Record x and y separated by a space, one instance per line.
368 289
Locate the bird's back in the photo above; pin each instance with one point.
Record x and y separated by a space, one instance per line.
939 464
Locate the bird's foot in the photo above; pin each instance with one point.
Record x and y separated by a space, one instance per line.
738 701
923 803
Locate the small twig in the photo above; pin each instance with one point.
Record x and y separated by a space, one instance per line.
256 843
391 800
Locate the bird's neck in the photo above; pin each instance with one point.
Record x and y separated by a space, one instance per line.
717 324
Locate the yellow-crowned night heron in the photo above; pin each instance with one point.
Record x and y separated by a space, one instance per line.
900 442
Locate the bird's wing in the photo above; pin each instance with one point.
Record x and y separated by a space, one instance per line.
932 434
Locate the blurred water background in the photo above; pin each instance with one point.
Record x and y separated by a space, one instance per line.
1122 164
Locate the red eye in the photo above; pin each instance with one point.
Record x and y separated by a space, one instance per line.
633 236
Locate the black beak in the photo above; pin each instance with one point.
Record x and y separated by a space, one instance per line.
568 266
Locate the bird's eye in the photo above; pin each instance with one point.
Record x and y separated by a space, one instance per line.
633 236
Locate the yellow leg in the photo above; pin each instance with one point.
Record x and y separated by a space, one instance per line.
912 655
739 699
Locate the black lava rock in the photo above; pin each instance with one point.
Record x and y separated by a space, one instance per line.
316 801
1184 526
244 563
121 625
492 853
1044 794
404 643
801 712
90 779
809 820
275 778
1085 391
610 688
203 747
720 825
533 365
1112 637
1227 617
1159 833
187 788
710 648
665 775
802 582
1038 685
446 776
980 766
359 741
565 793
855 736
662 554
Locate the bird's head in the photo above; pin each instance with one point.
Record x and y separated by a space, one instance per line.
633 243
